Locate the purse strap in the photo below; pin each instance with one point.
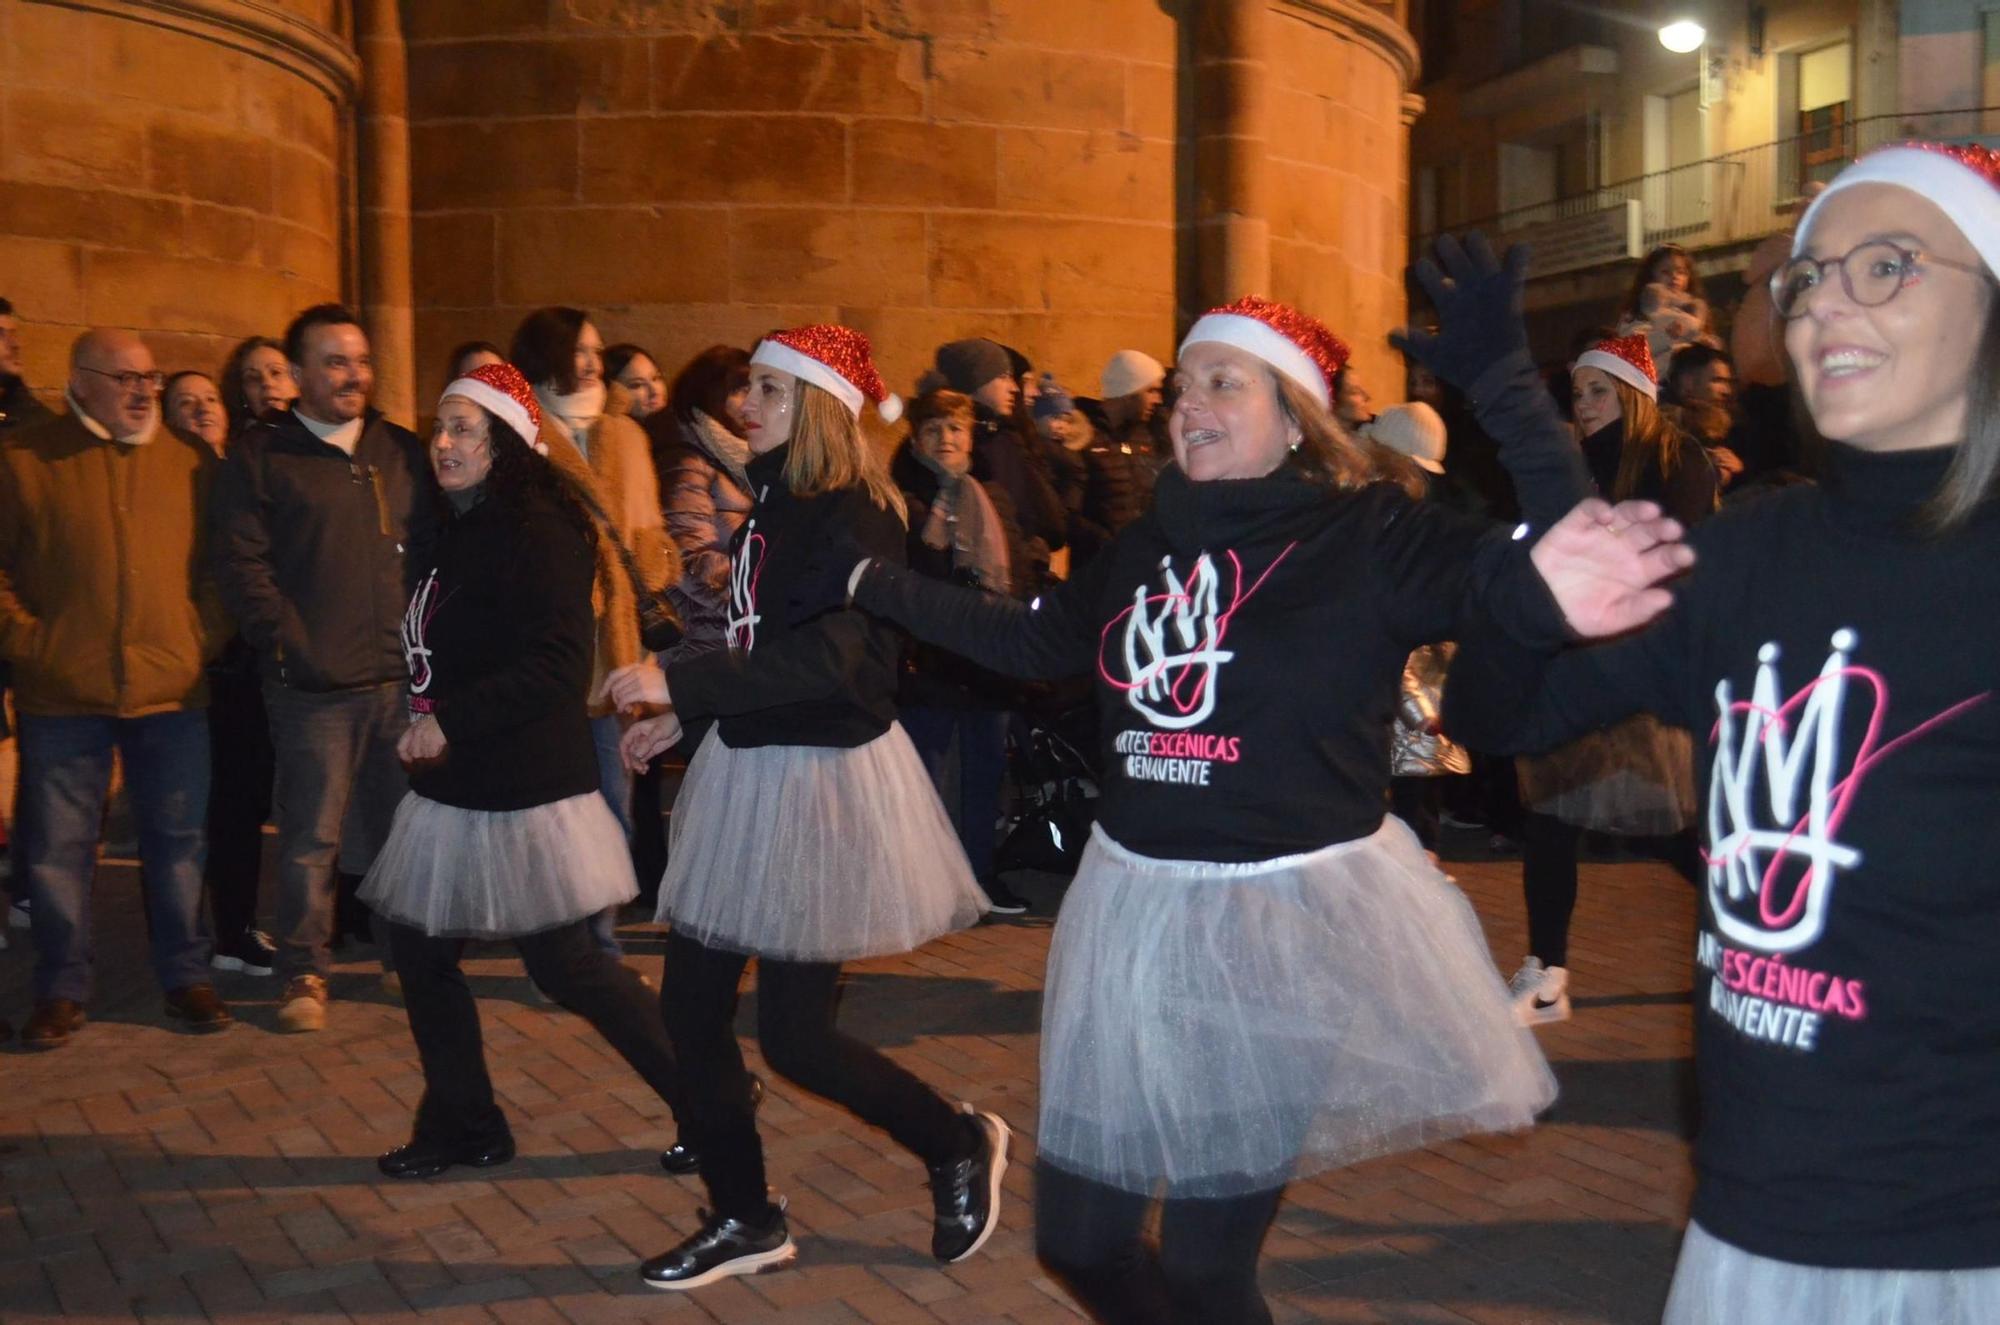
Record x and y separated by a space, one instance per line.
609 530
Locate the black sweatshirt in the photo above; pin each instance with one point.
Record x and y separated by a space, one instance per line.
310 548
1248 639
1849 1064
795 673
499 637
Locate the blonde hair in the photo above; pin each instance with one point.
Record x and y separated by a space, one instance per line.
1328 454
1649 438
828 453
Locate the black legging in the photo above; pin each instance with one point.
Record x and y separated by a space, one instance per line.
570 967
1092 1237
241 766
1548 881
796 1005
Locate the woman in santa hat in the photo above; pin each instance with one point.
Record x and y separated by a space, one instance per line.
1256 975
1836 649
1636 780
503 833
807 833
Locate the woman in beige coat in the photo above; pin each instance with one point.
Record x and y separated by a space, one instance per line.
593 441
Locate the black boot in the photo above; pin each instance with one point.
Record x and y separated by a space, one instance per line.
722 1248
426 1159
965 1193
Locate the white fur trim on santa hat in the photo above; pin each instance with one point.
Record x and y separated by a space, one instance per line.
1966 197
1622 369
1267 343
503 406
777 354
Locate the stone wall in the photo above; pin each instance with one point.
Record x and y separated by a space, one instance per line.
699 172
166 173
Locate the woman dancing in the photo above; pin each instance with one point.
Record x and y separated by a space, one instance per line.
807 833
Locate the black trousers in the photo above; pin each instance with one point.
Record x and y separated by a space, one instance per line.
796 1007
241 768
458 1106
1417 801
1092 1238
1548 882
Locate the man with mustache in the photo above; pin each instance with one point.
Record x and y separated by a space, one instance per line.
317 512
107 615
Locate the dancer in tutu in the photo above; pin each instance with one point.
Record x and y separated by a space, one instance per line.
503 833
807 833
1836 651
1256 975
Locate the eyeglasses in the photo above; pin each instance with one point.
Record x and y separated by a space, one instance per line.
152 381
1872 275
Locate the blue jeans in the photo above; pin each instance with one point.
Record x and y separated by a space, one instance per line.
616 784
965 752
65 776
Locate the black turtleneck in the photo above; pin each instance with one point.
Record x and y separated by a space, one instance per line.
1837 667
794 673
1247 638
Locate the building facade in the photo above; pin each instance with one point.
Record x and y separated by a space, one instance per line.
1071 178
1578 130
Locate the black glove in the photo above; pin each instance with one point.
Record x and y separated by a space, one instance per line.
1478 302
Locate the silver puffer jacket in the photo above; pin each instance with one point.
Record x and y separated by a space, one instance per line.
1416 749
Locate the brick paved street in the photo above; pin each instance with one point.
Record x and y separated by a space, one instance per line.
145 1175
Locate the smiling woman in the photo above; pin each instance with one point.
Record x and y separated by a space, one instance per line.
1835 644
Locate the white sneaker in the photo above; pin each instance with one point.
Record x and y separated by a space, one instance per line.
1540 993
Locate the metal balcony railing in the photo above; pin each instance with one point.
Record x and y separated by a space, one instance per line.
1746 194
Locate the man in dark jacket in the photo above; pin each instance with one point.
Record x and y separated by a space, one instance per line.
1002 456
318 514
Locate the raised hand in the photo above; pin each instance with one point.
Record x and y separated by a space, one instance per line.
644 740
634 686
1606 565
1478 301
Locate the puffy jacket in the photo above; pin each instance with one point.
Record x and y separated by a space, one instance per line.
106 604
312 548
705 498
1417 749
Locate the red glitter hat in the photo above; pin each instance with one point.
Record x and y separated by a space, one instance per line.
502 391
1961 179
1302 348
1627 358
835 358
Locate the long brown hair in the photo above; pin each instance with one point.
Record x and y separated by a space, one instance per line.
1649 440
1327 454
828 453
1975 465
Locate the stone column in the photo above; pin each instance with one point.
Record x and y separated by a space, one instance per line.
383 177
1232 231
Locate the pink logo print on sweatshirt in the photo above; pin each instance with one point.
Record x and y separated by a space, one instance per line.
1172 651
416 618
745 568
1786 857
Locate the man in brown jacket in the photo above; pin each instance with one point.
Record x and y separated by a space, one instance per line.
107 618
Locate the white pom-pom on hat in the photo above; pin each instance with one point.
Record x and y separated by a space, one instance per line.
890 407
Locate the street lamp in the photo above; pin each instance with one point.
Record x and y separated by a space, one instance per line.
1683 36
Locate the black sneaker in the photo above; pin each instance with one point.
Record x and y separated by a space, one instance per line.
721 1249
250 952
965 1194
1003 900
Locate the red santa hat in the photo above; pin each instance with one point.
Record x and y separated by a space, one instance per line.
1962 179
1302 348
500 389
1627 358
834 358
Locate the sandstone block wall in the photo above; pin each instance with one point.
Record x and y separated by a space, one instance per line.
159 180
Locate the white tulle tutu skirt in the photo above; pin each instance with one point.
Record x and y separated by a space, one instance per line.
1718 1283
815 853
1635 779
1222 1029
498 873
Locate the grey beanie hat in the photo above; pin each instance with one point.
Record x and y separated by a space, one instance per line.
968 365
